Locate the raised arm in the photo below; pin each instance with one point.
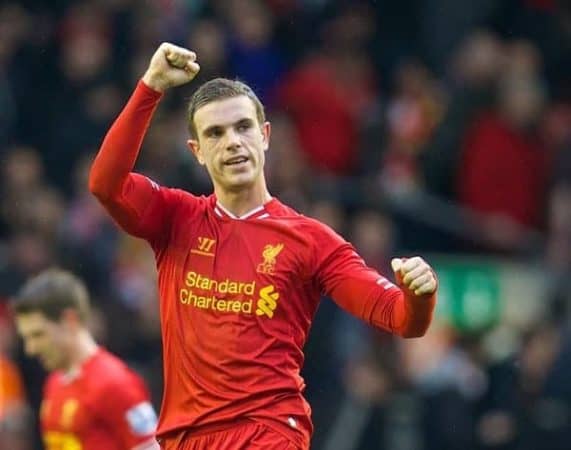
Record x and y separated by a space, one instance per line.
127 196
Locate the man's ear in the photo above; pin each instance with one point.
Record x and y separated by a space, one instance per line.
70 318
266 131
195 149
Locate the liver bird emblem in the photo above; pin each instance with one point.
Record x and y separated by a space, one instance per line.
269 254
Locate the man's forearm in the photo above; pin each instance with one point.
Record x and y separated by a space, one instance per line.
118 153
412 314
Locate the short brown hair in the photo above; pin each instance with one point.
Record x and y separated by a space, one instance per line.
221 89
50 293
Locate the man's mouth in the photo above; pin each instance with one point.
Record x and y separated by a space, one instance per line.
237 160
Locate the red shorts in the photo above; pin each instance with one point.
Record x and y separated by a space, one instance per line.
247 435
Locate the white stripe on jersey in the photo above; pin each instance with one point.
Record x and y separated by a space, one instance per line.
385 284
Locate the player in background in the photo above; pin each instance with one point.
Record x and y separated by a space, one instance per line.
240 274
91 399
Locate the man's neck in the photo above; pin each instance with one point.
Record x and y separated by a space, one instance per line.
84 348
242 202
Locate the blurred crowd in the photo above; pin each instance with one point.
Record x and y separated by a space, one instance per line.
409 126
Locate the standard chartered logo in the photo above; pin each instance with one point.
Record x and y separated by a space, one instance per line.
267 302
203 292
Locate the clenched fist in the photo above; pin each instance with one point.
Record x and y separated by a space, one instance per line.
415 275
170 66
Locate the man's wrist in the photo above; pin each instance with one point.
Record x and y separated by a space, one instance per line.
152 83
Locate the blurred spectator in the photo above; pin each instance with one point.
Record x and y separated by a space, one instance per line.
446 374
547 23
207 38
558 245
87 235
87 98
252 54
329 92
167 157
557 133
527 404
26 253
475 69
443 23
16 26
411 116
28 202
22 179
504 167
286 167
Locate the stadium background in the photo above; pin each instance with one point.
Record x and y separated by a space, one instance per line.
438 127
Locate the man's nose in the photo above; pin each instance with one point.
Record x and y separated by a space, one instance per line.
232 139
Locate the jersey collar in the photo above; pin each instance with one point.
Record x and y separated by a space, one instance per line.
260 212
74 373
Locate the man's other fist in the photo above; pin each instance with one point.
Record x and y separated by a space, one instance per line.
415 275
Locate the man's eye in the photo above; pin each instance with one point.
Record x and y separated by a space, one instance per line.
243 127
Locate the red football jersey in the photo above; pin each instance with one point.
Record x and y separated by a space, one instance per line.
104 405
237 295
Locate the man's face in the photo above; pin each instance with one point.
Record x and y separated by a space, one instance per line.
231 142
44 339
